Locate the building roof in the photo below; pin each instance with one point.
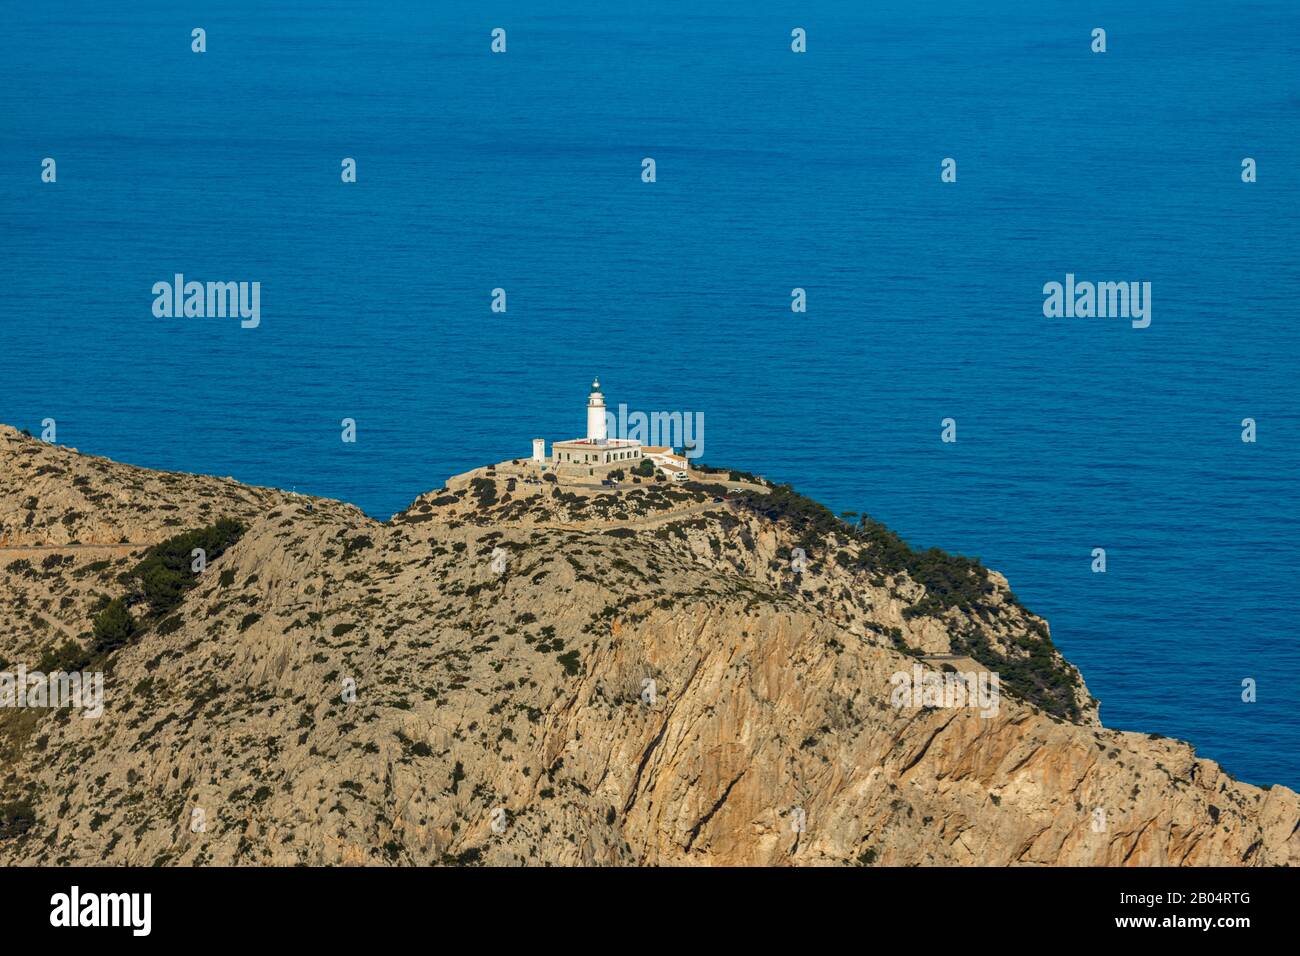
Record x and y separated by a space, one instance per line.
601 442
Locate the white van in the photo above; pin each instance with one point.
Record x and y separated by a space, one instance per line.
681 476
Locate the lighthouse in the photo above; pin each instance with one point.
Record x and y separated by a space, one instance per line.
583 457
596 414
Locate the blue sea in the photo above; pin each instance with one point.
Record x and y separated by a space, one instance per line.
774 171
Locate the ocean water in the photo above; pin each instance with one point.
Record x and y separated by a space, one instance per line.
774 171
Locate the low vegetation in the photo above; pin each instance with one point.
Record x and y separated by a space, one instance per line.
156 586
165 572
16 818
1033 671
113 626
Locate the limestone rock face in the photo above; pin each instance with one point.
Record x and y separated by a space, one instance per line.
538 673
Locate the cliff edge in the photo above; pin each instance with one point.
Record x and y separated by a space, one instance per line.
515 671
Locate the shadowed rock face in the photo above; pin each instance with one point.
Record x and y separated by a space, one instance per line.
502 640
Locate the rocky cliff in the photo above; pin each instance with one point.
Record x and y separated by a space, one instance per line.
520 671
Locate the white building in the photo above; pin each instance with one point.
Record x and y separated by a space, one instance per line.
665 458
583 456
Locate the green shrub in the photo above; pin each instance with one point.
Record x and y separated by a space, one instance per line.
16 818
113 626
70 657
164 572
485 489
94 567
359 543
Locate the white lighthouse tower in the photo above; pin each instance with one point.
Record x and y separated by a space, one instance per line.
596 414
597 453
